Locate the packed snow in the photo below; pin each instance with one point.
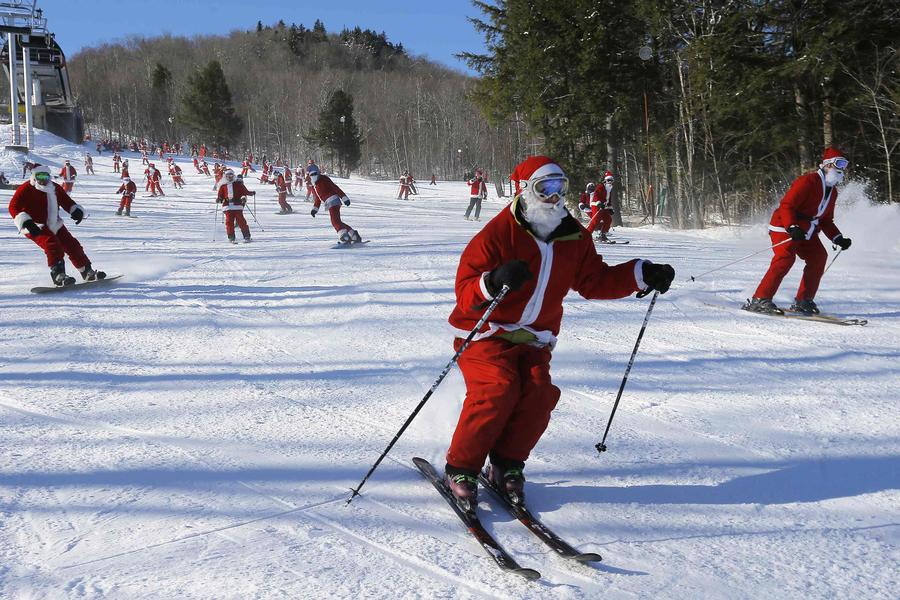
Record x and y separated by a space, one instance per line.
194 430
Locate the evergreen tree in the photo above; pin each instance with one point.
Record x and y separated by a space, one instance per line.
160 105
338 133
207 109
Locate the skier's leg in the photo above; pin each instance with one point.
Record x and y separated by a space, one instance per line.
72 248
605 222
784 258
471 206
229 224
594 222
477 208
242 223
814 253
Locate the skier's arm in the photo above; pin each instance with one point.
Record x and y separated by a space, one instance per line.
475 265
826 221
597 280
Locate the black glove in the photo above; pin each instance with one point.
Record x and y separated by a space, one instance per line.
32 227
513 273
77 215
841 241
658 277
314 211
797 234
611 211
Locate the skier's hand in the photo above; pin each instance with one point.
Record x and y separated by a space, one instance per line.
77 215
346 201
841 241
797 234
582 207
657 277
513 273
32 228
314 211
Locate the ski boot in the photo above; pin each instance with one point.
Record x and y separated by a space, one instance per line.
508 478
603 238
762 305
58 275
247 240
231 239
127 212
119 213
806 307
89 274
463 485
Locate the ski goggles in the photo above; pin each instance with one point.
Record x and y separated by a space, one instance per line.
550 185
840 163
42 178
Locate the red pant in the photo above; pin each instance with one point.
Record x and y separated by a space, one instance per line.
811 251
335 213
232 216
282 202
509 398
54 245
126 202
67 186
601 218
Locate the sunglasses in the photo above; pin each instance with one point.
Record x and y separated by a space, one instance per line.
551 185
42 177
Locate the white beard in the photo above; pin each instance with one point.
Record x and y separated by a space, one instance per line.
543 217
833 177
608 187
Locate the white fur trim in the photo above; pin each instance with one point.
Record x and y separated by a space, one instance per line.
20 219
548 169
332 201
639 274
482 285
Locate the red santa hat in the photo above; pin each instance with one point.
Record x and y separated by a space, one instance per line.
831 155
533 167
608 175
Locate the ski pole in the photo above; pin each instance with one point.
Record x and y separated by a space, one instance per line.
734 262
215 220
465 344
832 261
601 445
255 219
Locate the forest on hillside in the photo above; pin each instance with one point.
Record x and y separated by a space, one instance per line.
705 110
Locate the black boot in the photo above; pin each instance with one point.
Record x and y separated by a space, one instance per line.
89 274
807 307
762 305
58 275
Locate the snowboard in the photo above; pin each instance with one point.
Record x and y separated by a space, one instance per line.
345 246
74 286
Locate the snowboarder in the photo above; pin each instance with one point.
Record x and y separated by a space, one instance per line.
537 249
233 197
128 189
281 190
35 210
807 207
601 207
88 164
329 195
477 193
68 174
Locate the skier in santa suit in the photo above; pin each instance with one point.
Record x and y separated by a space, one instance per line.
233 196
128 189
404 186
88 164
197 166
177 176
117 161
35 211
329 195
310 188
584 201
68 175
286 171
806 208
477 193
124 173
537 249
153 180
246 166
281 190
601 207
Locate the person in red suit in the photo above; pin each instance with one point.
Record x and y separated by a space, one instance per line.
404 186
197 166
601 207
128 189
329 195
584 201
177 176
117 162
246 166
281 189
806 209
477 193
34 208
153 180
537 249
68 174
233 197
88 164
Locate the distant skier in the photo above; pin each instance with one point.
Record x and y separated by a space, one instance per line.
541 252
433 179
281 189
128 190
584 201
153 176
124 173
404 186
601 208
246 166
806 208
68 174
477 193
232 195
197 166
35 211
117 162
329 195
88 164
177 176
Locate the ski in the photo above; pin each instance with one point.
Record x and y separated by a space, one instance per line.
820 318
610 242
74 286
562 548
473 524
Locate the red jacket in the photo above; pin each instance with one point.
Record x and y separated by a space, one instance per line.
128 188
600 200
233 195
477 187
327 192
569 261
806 204
70 176
30 203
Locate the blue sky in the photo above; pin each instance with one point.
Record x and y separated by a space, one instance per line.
433 28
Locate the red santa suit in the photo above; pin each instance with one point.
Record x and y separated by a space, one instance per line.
477 193
281 190
509 393
601 209
177 178
153 180
809 203
89 164
329 195
246 166
233 197
197 166
68 174
117 161
31 203
404 188
128 189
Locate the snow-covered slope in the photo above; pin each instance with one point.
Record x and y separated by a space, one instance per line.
193 432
